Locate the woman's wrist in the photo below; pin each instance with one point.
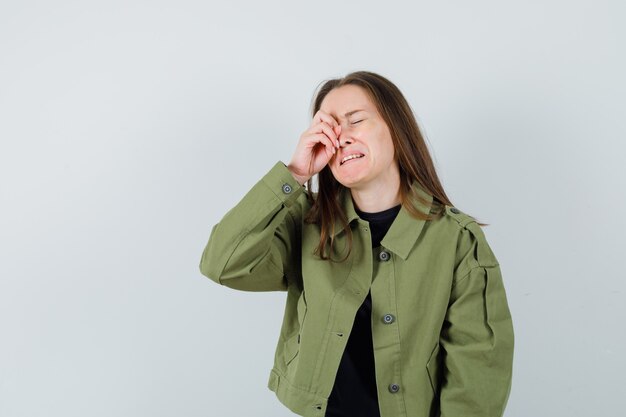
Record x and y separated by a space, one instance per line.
301 180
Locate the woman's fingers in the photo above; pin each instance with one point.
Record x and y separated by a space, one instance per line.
329 131
321 116
324 140
308 158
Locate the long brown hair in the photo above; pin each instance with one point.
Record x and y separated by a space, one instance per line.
411 153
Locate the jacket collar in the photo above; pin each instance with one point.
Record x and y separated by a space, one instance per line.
404 230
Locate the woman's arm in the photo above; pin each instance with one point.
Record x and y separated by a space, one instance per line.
255 246
477 336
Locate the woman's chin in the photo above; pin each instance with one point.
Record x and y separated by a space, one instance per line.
350 178
351 173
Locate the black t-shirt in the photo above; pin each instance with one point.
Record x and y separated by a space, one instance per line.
354 392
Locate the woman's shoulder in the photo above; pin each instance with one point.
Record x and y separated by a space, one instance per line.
456 216
472 245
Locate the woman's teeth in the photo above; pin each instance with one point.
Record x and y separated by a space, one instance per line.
349 157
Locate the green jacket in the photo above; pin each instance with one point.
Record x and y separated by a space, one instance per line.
441 326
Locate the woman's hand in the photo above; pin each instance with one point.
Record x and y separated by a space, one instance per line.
316 147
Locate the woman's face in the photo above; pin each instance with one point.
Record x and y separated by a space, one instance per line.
363 132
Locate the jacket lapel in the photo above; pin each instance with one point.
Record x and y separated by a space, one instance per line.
404 230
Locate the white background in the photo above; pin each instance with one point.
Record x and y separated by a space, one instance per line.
129 128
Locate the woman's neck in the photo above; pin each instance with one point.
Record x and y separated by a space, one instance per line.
377 196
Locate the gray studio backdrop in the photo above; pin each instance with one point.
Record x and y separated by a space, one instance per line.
129 128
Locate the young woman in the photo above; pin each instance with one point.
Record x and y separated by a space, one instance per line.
395 301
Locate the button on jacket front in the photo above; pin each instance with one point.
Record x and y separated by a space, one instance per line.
444 346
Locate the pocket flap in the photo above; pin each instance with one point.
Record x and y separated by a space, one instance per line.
433 369
292 345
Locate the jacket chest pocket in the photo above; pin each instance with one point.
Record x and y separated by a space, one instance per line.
302 308
292 345
433 368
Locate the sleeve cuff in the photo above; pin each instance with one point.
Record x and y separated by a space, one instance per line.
283 184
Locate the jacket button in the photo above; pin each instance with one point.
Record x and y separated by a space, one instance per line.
394 388
286 188
388 318
455 210
384 256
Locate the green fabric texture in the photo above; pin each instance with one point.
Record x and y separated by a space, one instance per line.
449 351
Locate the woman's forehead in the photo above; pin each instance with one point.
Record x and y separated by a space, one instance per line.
344 101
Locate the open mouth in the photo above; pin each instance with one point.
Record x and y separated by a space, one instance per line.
351 158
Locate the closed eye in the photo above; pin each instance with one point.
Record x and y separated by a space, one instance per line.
358 121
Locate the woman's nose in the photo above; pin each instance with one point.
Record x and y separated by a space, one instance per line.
343 136
344 140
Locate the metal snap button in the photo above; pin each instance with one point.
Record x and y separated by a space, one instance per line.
455 210
394 388
388 318
384 256
286 188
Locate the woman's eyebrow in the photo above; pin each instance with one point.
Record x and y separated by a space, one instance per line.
350 113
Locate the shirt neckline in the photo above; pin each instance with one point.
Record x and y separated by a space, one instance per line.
379 215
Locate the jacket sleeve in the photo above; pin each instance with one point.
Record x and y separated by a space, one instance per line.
477 336
255 246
